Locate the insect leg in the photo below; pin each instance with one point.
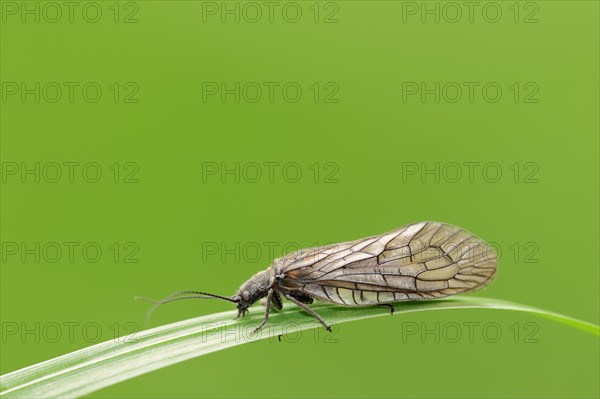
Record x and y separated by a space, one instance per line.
277 301
262 323
309 310
387 305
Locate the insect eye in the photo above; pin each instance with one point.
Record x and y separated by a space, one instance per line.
246 296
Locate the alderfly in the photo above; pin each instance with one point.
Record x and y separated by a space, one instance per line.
420 261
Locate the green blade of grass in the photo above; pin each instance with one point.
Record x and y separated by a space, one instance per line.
98 366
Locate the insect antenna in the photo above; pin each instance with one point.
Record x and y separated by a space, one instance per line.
178 296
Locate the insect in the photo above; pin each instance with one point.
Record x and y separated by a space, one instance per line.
418 261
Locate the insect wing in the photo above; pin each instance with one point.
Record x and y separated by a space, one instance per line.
418 261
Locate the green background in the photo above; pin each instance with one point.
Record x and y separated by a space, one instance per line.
369 135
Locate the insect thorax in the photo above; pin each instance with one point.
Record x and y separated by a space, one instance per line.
257 286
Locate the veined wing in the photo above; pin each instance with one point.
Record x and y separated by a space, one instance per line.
418 261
